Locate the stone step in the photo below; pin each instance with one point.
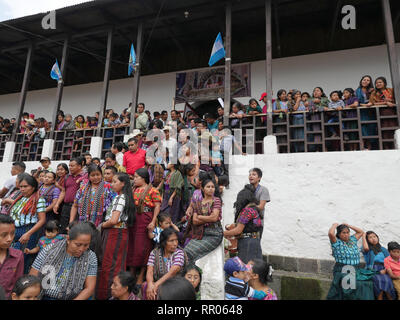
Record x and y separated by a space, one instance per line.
290 285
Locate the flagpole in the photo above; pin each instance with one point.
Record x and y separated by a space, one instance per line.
135 93
24 89
60 88
106 81
227 100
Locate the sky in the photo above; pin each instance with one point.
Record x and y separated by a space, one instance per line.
12 9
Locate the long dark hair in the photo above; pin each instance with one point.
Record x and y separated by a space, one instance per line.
384 82
245 196
164 236
30 181
192 266
323 95
280 93
130 208
340 228
370 82
127 280
375 248
142 172
65 167
26 282
264 271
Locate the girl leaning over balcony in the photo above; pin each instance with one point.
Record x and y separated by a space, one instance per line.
382 95
363 94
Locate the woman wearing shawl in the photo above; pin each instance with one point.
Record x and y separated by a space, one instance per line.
165 262
374 254
28 212
247 227
173 193
93 198
73 263
204 227
382 95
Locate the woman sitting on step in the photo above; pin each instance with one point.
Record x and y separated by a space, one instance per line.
247 227
204 227
357 285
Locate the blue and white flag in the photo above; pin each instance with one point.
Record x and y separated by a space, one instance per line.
56 72
132 61
218 51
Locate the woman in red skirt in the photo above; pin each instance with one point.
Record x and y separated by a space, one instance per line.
147 201
114 234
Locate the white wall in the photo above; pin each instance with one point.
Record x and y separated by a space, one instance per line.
311 191
330 70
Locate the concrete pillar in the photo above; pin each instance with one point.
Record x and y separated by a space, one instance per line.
397 139
96 145
270 145
48 148
9 151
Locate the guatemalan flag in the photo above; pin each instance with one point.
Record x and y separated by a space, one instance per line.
218 51
56 72
132 61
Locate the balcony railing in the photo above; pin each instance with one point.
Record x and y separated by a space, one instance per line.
28 148
111 136
345 130
70 144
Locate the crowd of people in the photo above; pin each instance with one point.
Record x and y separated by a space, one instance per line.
124 227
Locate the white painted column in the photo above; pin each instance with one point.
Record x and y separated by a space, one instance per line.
270 145
48 148
213 277
397 139
96 145
9 151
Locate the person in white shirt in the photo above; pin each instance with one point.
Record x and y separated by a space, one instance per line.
117 150
169 143
9 185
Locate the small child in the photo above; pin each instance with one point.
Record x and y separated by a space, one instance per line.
41 176
164 222
51 236
27 288
236 287
216 159
392 265
109 173
96 161
337 104
45 162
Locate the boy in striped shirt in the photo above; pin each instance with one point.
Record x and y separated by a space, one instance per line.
236 287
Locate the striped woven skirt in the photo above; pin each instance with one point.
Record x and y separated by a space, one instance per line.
383 282
115 248
32 243
140 245
197 249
